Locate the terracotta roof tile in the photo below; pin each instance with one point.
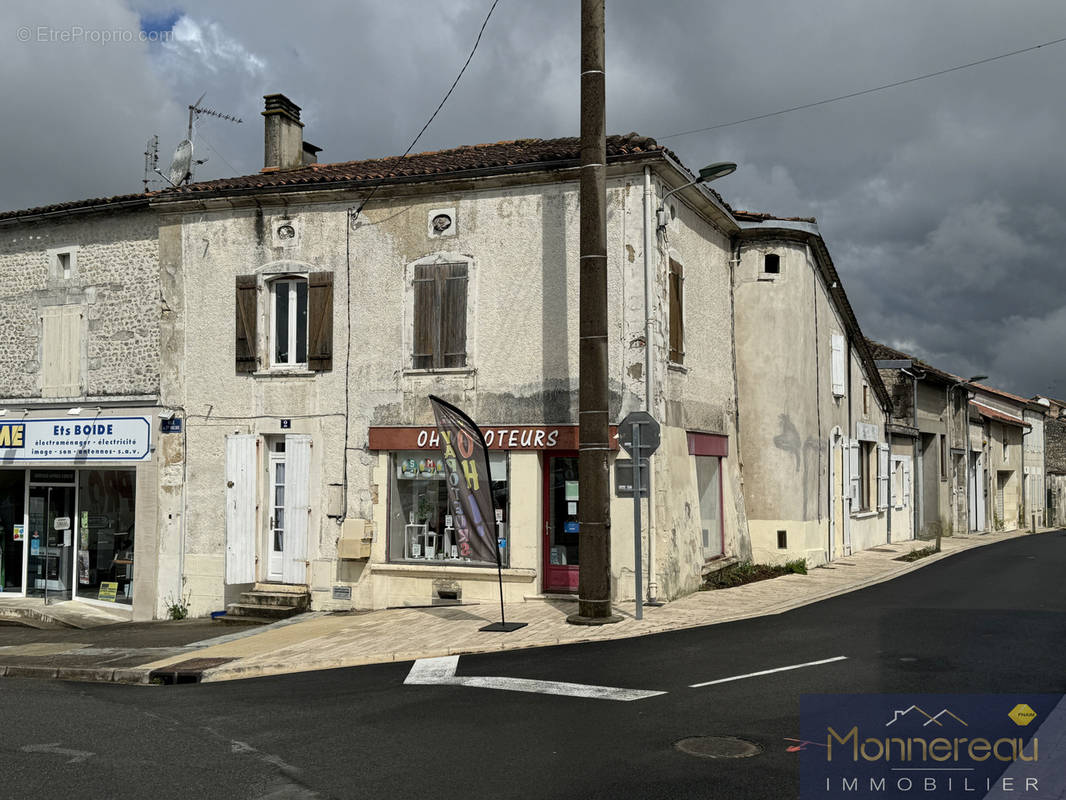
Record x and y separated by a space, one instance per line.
999 416
761 216
518 154
97 203
882 352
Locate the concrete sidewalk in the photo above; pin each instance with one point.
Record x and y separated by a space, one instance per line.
189 652
331 641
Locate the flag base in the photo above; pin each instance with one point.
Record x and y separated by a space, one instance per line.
503 627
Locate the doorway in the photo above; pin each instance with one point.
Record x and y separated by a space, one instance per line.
561 530
12 528
52 519
287 488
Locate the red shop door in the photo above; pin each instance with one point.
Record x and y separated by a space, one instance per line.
560 522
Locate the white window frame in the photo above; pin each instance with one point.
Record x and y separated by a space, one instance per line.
272 285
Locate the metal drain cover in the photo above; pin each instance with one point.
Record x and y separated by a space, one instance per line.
718 747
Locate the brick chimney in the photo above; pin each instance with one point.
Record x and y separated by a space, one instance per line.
283 134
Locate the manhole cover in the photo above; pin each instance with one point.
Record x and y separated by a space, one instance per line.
718 747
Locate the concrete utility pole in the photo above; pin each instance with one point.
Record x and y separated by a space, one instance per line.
594 516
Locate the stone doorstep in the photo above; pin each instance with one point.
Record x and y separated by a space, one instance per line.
281 588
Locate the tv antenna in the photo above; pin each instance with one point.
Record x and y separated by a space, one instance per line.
182 162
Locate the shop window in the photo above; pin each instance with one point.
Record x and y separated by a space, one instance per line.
297 314
439 316
709 485
61 335
106 505
420 524
677 311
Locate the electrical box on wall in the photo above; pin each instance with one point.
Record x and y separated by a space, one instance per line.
356 539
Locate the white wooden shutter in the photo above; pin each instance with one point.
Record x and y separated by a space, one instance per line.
907 482
855 453
240 507
297 508
838 365
61 351
882 476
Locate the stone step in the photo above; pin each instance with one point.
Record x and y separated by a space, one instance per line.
285 599
282 588
267 612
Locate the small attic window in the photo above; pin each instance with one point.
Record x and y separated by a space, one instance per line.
771 264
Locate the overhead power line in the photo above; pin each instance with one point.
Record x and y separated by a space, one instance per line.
864 91
442 102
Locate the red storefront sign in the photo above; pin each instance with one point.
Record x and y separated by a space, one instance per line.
498 437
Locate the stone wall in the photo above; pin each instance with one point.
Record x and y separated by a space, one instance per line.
113 278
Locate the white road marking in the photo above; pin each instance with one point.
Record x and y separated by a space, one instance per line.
442 671
76 755
768 671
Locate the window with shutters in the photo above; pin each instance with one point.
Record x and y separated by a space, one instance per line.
440 308
284 322
61 338
677 313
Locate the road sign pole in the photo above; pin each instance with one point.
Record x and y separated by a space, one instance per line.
638 571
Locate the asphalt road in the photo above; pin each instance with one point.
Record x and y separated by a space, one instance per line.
988 620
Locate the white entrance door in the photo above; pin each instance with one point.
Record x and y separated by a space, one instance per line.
289 493
240 508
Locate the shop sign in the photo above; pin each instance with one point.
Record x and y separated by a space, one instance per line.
61 523
500 437
108 591
865 432
85 439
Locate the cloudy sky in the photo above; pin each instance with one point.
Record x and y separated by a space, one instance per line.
943 201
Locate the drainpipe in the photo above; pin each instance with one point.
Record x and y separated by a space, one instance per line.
917 471
649 401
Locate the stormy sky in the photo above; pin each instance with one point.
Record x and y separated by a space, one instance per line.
943 202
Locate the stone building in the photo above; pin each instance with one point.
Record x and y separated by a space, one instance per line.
930 418
315 306
90 489
997 425
813 443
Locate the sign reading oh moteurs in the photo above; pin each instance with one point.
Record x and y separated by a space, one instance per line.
77 439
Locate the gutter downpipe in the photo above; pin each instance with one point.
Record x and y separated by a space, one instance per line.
917 471
649 288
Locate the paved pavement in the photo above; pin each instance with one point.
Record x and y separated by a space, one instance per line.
188 650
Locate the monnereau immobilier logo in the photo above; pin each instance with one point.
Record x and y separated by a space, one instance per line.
929 746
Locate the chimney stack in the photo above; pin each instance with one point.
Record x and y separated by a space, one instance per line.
284 145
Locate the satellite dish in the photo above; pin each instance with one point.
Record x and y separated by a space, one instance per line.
181 164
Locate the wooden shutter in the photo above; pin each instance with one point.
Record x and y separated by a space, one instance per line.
297 508
907 482
855 453
882 476
427 317
320 321
246 314
838 365
453 316
61 351
677 322
240 507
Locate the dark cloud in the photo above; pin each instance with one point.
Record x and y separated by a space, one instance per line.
941 201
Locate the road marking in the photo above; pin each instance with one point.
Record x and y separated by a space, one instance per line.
768 671
442 671
76 755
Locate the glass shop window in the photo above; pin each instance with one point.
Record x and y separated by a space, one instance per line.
105 532
420 526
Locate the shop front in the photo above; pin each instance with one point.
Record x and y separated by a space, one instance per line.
68 506
534 478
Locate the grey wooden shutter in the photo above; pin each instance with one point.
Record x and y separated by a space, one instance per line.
453 316
247 311
320 321
427 317
677 323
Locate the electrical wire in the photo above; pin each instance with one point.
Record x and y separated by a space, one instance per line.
864 91
439 107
